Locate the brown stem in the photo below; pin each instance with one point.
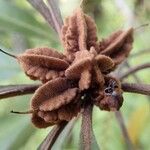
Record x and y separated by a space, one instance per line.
86 128
137 79
87 135
52 136
133 70
16 90
122 125
136 88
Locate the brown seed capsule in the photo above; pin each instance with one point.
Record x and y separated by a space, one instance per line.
77 77
110 98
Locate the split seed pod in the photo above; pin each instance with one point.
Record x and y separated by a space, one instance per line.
81 71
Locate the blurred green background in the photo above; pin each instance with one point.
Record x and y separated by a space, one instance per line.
22 27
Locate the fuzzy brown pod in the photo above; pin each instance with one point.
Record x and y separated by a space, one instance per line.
110 98
117 46
80 73
53 94
54 102
43 63
88 64
43 119
78 33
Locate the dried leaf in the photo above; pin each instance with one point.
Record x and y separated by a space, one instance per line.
43 63
118 45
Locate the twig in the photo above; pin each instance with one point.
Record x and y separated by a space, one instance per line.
16 90
52 136
133 70
136 88
121 122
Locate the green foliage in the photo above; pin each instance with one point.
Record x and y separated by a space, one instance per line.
16 132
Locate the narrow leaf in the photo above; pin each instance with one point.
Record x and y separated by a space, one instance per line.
56 14
88 141
64 136
40 6
52 136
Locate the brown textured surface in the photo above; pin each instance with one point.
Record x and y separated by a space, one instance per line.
59 100
91 33
81 69
39 122
45 51
87 65
50 92
85 80
43 119
78 33
110 101
79 77
118 45
43 64
82 61
104 63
